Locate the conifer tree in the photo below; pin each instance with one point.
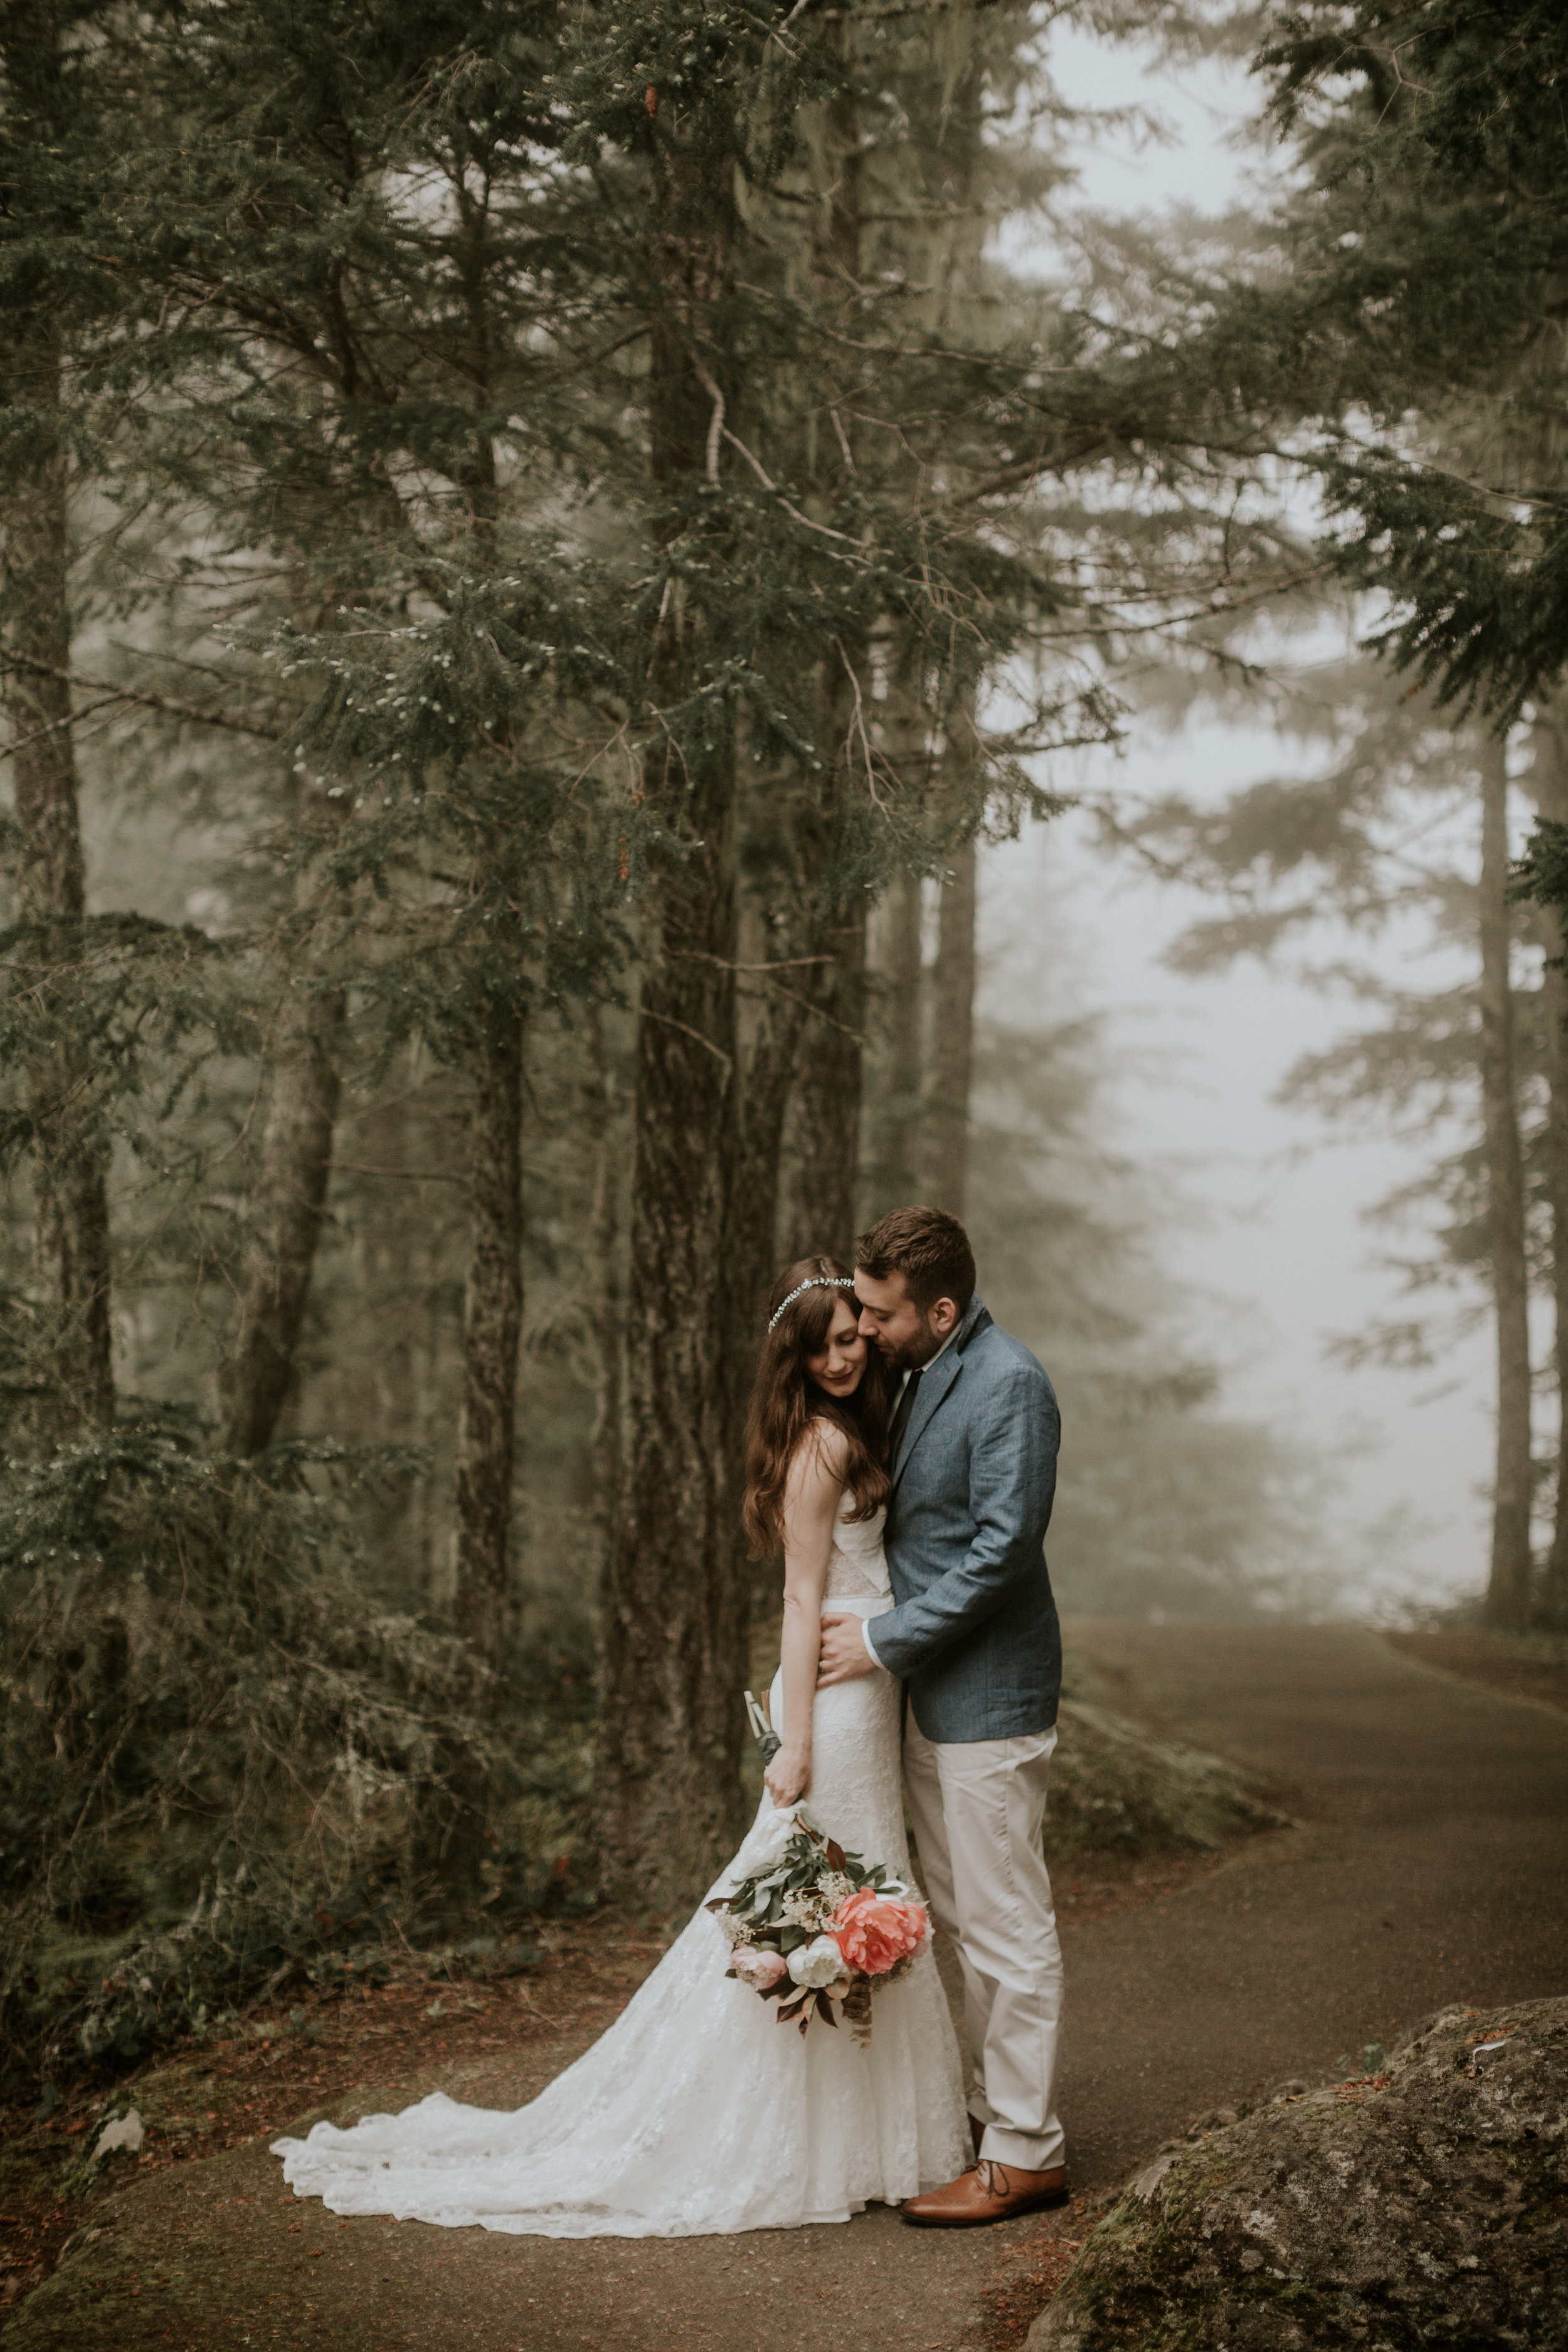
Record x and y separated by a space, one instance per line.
398 355
1426 248
355 360
70 1372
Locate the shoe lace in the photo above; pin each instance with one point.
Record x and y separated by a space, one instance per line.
993 2176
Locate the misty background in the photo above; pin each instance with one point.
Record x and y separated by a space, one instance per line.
1266 1230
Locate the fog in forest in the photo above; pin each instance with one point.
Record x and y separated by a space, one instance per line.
1266 1226
624 644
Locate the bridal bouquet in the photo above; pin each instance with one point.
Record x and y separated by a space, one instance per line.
812 1926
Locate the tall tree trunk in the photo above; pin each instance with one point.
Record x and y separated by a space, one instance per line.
380 1398
452 1850
74 1382
676 1627
897 1129
952 1037
492 1337
754 1248
289 1196
819 1213
676 1612
952 980
1508 1589
756 1212
1550 781
605 1302
485 1468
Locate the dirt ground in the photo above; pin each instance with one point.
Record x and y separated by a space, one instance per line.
1429 1863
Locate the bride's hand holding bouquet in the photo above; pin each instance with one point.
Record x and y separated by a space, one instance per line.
788 1777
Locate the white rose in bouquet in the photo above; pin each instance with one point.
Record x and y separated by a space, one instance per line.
818 1964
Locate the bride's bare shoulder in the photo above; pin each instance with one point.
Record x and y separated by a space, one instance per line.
821 1454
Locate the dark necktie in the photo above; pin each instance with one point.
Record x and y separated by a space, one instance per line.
901 1418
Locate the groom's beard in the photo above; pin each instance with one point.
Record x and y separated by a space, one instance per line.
915 1353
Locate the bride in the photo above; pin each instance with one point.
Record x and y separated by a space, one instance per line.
696 2111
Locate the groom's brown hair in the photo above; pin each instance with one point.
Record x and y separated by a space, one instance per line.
929 1248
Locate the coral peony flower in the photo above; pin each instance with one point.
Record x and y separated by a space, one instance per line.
757 1968
875 1933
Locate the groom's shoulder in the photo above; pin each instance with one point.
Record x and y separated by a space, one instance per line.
1000 1357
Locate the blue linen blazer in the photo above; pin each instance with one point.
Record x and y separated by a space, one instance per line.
974 1631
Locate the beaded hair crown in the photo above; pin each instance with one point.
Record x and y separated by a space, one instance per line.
817 1282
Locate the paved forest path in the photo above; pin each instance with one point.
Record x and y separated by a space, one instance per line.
1430 1865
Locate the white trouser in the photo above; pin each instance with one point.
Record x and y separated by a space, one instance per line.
978 1806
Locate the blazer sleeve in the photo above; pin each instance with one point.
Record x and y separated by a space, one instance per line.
1012 1483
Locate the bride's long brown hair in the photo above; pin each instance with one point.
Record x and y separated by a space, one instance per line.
785 1399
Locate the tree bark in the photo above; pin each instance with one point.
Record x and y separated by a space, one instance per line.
492 1338
287 1206
668 1801
825 1165
677 1614
755 1213
605 1302
897 1127
75 1384
451 1848
952 1038
819 1213
375 1396
1508 1589
1550 780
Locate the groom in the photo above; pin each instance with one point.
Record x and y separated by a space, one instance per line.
973 1635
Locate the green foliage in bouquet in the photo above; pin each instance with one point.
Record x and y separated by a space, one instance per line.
221 1756
788 1928
761 1900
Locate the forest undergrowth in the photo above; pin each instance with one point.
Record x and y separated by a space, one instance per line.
1136 1821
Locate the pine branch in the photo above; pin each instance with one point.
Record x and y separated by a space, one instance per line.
108 692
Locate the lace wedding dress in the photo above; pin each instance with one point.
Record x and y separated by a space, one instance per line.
698 2112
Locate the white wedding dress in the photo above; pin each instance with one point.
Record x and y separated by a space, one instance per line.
699 2112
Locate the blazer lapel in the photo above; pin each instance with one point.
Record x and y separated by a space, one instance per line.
934 1385
936 1382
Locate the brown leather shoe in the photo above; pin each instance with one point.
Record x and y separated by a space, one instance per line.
986 2192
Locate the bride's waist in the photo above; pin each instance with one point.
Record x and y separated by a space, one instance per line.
857 1604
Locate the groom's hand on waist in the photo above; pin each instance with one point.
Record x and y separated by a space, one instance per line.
843 1654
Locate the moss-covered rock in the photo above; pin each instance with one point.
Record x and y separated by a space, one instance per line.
1424 2207
1115 1789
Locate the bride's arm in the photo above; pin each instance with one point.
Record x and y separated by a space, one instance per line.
811 1492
